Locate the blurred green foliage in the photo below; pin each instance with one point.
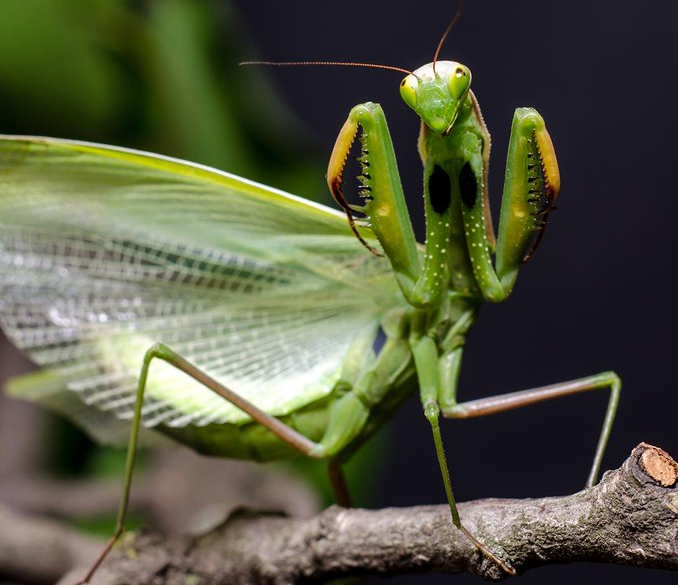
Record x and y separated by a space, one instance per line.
161 76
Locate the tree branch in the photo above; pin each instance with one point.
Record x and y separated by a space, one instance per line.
629 518
35 550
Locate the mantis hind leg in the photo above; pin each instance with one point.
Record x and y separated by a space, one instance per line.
338 482
163 352
503 402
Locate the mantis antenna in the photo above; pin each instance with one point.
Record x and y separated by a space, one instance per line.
338 195
447 32
338 63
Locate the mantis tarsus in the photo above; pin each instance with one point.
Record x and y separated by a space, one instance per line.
266 300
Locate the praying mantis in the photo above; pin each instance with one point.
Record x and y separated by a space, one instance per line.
243 321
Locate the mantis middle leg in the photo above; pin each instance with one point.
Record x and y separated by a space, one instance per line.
425 352
448 374
504 402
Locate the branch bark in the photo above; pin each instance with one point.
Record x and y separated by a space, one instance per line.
629 518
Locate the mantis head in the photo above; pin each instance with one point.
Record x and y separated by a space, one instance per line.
436 92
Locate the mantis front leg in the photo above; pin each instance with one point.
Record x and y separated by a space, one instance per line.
381 190
459 161
385 208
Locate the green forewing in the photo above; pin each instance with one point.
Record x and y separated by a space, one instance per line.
104 251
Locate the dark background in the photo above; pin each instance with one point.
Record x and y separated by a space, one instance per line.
599 293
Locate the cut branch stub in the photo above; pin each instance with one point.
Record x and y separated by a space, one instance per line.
658 465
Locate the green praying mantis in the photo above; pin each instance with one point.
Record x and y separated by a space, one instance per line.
243 321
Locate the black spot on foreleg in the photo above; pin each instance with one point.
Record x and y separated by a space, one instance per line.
439 190
468 185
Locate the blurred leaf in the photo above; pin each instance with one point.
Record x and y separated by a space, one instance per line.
51 77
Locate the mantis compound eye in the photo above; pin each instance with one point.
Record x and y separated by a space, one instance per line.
459 82
408 90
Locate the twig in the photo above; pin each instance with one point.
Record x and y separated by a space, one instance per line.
629 518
